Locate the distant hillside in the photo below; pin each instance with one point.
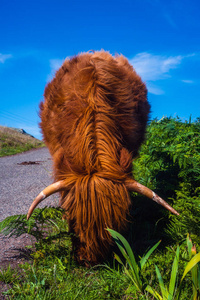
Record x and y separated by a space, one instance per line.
13 140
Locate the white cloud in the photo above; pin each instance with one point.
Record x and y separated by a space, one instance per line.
55 64
153 89
152 68
188 81
4 57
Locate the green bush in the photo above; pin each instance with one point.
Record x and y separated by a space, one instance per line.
169 164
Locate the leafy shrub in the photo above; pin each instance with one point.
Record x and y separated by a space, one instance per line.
169 163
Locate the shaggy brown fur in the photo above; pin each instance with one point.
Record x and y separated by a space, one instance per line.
93 121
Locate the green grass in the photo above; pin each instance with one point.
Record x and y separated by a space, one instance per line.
13 142
52 272
54 282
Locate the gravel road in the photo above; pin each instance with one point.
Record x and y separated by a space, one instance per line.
22 178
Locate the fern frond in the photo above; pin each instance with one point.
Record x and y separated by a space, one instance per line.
36 226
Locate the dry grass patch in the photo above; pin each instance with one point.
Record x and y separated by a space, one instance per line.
12 141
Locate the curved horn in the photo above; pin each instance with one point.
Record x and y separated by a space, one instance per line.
51 189
134 186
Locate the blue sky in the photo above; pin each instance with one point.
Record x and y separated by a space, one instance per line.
160 38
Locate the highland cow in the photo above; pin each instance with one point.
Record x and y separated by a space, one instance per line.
93 121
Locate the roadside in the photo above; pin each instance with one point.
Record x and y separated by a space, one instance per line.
14 140
22 177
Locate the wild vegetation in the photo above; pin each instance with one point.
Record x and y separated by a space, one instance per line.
159 259
13 141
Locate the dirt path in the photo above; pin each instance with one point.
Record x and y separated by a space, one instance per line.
22 177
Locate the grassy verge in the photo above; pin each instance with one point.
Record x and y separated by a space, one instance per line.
13 142
52 272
